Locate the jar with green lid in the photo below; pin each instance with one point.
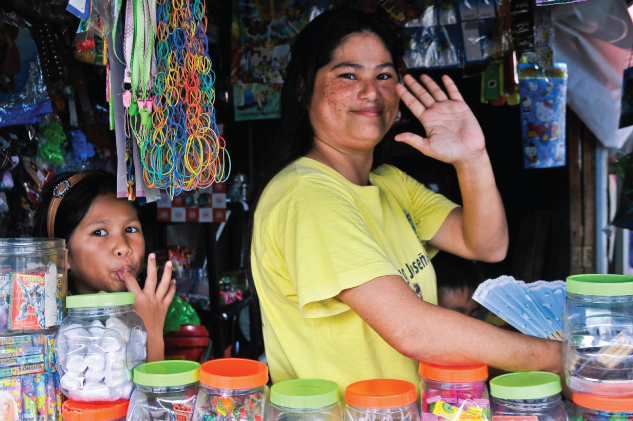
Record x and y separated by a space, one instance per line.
304 400
531 394
598 335
165 390
97 345
33 283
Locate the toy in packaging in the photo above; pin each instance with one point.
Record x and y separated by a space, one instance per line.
5 298
10 399
27 303
543 104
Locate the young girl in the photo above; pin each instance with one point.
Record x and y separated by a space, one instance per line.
105 246
8 408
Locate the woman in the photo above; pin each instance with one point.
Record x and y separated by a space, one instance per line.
334 236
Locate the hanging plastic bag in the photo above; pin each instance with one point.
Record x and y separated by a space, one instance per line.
23 95
543 105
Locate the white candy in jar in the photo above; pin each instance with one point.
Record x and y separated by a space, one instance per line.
100 341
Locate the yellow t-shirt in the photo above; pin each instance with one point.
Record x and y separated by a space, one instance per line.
316 234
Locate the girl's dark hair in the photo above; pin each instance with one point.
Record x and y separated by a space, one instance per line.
314 48
75 203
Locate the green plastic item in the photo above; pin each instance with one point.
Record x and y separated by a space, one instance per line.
179 313
105 299
167 373
304 393
530 385
600 285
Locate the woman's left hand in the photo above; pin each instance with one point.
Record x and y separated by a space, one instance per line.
453 133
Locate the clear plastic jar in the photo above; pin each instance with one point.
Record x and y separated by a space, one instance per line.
598 335
33 283
85 411
534 393
165 390
232 389
598 408
448 392
98 344
304 400
381 400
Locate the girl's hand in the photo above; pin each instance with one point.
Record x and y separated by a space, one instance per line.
454 135
151 303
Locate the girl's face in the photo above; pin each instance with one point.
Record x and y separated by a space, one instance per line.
4 405
107 243
354 102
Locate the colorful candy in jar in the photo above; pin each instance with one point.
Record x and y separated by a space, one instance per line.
232 389
454 393
599 408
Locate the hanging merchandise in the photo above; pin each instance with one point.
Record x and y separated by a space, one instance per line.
23 96
170 99
543 107
626 108
499 80
51 138
623 216
551 2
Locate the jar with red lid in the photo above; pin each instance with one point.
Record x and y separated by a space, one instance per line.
598 408
232 389
87 411
447 393
381 400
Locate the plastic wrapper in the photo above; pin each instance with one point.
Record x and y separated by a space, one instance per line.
535 309
449 34
101 17
23 95
162 403
96 349
543 115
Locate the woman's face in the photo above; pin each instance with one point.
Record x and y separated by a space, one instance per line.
354 102
5 407
107 243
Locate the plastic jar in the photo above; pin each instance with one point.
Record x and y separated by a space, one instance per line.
304 400
165 390
85 411
598 408
32 283
534 393
98 344
598 335
448 392
232 389
381 400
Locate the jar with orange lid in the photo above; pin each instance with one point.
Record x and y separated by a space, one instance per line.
598 408
86 411
448 393
381 400
232 389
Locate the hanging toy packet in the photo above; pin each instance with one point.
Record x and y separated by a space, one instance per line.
543 104
626 109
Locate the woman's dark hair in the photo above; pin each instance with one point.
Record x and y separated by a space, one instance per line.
314 48
75 203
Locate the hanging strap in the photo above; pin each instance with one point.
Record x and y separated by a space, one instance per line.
128 40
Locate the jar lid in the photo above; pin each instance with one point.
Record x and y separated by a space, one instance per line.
530 385
88 411
105 299
167 373
25 246
304 393
233 373
600 284
602 403
380 393
467 374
